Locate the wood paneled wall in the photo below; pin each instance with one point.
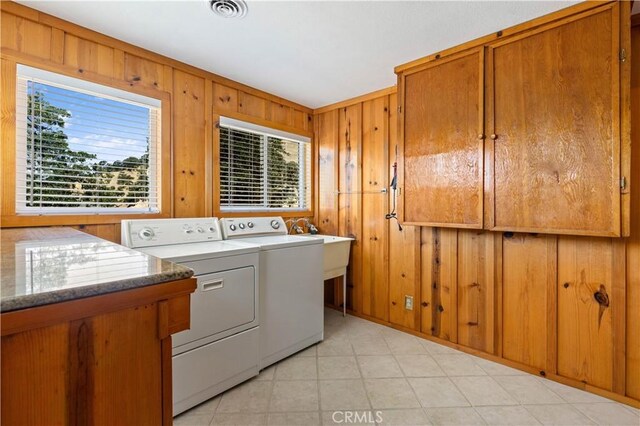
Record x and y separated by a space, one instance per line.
198 98
527 300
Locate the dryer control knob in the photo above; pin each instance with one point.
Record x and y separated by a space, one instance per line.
146 234
241 226
275 224
250 225
232 227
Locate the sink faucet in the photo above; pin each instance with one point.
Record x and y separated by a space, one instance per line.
297 227
294 226
310 226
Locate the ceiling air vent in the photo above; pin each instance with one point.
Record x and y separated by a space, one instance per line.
228 8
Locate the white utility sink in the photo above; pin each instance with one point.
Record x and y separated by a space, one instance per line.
336 255
336 259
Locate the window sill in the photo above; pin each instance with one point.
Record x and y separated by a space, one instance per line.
25 220
263 213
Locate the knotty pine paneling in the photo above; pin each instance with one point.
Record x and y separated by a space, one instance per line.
35 38
633 243
404 274
528 298
251 105
224 98
585 325
142 72
109 231
47 355
375 257
375 144
281 114
538 324
439 267
404 248
476 289
26 36
350 198
188 145
375 230
327 141
86 55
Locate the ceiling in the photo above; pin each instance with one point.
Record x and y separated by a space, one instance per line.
311 52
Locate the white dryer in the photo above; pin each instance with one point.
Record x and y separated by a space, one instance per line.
220 350
291 285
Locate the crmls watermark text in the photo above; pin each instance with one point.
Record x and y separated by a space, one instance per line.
357 417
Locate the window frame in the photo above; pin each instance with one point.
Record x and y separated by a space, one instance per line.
9 216
276 130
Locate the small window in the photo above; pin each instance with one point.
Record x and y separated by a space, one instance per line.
263 169
84 148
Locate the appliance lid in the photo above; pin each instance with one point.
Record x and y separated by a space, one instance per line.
199 251
281 241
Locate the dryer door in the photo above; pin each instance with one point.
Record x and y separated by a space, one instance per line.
223 301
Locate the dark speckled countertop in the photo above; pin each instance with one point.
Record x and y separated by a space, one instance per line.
49 265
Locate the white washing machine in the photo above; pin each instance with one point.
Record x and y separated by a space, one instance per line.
221 349
291 286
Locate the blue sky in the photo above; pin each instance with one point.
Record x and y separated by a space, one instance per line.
110 129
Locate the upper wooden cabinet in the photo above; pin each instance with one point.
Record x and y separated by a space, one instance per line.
443 142
554 108
555 153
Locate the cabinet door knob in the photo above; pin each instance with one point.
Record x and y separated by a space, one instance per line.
480 136
494 136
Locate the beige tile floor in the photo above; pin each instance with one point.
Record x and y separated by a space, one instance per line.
393 378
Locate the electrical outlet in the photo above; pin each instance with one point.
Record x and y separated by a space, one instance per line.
408 303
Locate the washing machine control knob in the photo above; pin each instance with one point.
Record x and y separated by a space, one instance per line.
275 224
241 226
232 227
146 234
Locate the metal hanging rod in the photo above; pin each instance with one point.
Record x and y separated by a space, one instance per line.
381 191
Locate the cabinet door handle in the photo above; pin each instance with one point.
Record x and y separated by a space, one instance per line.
212 285
494 136
480 136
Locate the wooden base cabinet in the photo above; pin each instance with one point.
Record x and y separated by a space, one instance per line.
102 360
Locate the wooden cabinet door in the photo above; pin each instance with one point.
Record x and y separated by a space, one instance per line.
442 142
553 115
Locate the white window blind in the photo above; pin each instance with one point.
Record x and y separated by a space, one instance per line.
84 148
262 168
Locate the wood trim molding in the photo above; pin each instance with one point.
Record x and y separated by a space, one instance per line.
534 23
362 98
260 122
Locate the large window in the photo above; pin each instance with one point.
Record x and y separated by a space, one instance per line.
262 168
84 148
